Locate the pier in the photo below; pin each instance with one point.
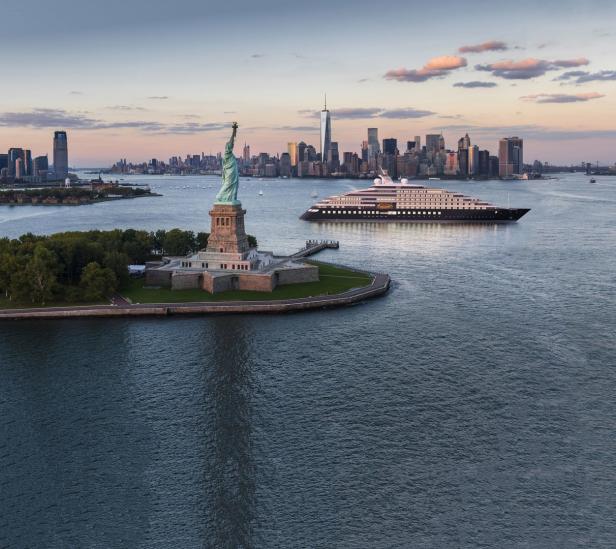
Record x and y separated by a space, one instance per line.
315 246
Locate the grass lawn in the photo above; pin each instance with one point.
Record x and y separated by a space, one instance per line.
333 280
8 304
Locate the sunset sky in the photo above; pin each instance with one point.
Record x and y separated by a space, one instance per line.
141 79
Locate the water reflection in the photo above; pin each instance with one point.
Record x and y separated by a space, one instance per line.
230 472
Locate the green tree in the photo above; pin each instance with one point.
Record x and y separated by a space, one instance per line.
202 239
118 262
178 242
38 280
8 266
97 282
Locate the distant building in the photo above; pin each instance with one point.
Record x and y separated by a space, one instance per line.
417 142
40 166
464 144
510 156
433 142
28 162
364 151
390 146
333 157
4 162
292 150
246 154
301 150
451 164
285 165
326 132
373 143
473 161
14 154
484 163
19 168
60 155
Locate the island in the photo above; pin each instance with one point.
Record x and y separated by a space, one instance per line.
89 193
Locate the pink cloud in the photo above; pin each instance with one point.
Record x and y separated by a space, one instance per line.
491 45
567 63
435 67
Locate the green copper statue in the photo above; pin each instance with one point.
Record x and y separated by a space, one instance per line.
230 177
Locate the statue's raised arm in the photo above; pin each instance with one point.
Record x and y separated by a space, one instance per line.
230 175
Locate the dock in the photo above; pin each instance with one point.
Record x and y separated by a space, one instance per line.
315 246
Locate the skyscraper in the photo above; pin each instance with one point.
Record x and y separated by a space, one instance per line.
510 156
14 154
433 142
390 146
417 142
60 155
292 150
373 143
333 157
473 160
326 132
246 154
41 165
464 144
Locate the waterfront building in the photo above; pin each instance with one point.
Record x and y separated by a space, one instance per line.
464 144
326 132
417 142
60 155
4 162
494 166
310 154
292 150
510 156
27 162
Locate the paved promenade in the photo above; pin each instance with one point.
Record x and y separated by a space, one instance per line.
120 307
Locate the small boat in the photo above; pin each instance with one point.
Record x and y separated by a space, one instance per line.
593 180
313 194
260 193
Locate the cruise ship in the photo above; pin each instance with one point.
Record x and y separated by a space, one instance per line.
387 200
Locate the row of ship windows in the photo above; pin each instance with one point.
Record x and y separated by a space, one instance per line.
374 212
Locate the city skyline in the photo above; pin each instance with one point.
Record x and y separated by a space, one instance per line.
418 73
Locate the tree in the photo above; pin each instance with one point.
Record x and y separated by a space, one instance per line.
178 242
8 266
118 262
202 239
39 278
97 282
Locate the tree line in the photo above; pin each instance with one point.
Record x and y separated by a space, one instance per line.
90 266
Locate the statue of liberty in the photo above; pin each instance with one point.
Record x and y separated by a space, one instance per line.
230 177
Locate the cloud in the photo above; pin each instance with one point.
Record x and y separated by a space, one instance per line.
580 77
529 131
75 92
125 108
434 68
160 97
492 45
561 97
57 118
362 80
475 84
528 68
362 113
257 55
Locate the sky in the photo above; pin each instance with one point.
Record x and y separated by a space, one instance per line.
141 79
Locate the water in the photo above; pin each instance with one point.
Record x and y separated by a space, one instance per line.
473 406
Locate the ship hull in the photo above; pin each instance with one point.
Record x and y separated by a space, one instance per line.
496 215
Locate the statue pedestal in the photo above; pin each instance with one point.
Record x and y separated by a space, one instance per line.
228 235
